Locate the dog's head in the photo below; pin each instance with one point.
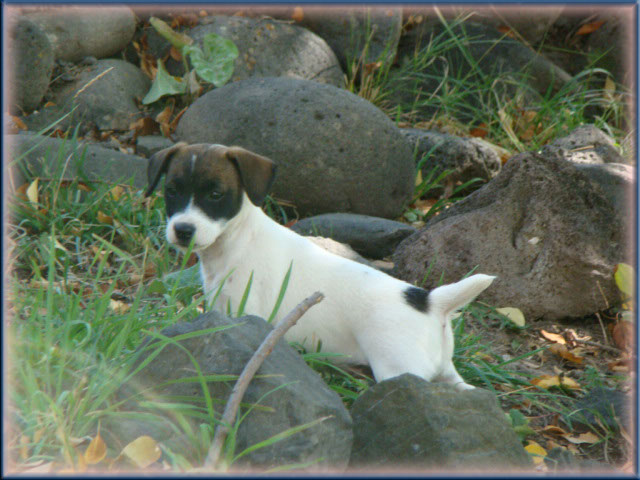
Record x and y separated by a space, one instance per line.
205 187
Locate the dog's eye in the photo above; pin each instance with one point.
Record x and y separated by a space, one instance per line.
215 195
170 191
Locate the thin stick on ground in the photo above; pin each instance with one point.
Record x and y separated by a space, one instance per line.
250 369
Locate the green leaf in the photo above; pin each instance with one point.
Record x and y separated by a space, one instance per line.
623 275
164 84
215 63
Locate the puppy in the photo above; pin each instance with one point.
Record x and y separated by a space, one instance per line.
213 195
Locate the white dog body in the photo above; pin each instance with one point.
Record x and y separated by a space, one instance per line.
367 316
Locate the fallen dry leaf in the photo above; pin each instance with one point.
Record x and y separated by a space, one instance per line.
143 451
19 124
587 437
506 31
298 14
104 218
537 452
481 131
32 192
144 126
623 335
553 337
514 314
96 451
562 351
548 381
553 430
119 307
116 192
589 27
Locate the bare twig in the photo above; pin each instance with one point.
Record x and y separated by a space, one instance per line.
599 345
247 374
604 330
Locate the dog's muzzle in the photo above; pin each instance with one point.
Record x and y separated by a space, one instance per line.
184 232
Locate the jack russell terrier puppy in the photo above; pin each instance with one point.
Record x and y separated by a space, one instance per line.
213 196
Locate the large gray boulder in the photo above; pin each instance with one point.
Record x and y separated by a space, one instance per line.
288 392
30 58
544 228
77 32
407 423
105 96
335 151
47 157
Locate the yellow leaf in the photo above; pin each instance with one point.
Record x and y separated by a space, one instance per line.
116 192
143 451
548 381
587 437
553 337
96 451
418 178
623 275
536 451
570 383
24 447
102 218
609 89
514 314
119 307
32 192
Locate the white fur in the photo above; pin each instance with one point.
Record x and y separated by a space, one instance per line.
364 314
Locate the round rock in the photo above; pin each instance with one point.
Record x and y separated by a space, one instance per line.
78 32
370 236
30 58
336 152
105 96
269 48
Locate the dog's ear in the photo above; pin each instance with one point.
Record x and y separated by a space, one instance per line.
257 172
159 164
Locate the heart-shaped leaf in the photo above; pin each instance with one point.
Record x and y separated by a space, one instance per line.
164 84
215 62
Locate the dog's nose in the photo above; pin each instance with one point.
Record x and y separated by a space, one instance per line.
184 232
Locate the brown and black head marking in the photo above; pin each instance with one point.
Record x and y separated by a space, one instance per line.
211 177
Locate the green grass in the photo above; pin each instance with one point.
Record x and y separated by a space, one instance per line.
421 88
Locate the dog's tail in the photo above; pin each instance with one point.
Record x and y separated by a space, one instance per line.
448 298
